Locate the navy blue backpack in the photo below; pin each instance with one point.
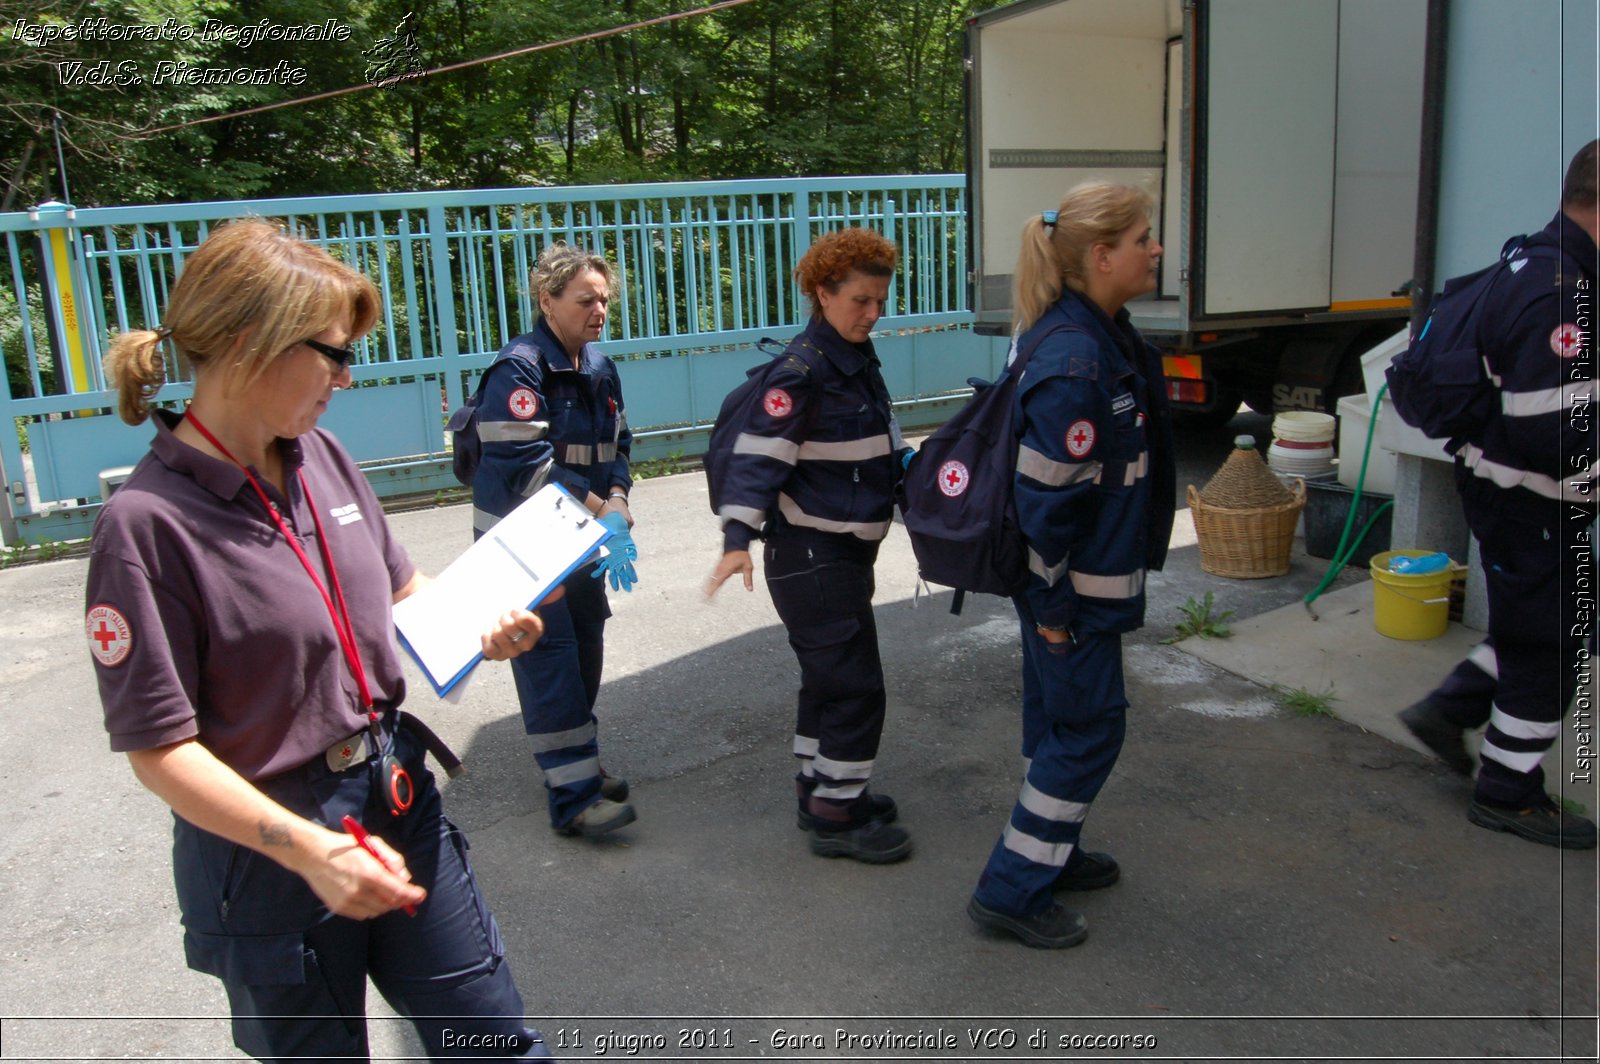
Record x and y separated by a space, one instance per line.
1440 383
955 496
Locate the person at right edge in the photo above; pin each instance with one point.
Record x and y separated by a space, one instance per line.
1527 485
1094 491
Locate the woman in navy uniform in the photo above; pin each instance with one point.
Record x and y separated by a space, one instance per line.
240 585
551 412
1094 495
814 469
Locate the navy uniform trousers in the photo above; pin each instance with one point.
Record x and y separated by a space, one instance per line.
1521 679
821 585
558 682
296 974
1074 716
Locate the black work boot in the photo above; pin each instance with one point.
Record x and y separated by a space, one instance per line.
869 806
1541 820
1087 871
872 843
1055 928
1433 730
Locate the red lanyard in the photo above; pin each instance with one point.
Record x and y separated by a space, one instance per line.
340 616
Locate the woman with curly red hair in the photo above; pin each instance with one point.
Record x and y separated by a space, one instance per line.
813 472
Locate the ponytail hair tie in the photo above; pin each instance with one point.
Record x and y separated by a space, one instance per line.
1049 218
163 332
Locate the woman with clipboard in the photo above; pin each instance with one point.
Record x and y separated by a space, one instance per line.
239 594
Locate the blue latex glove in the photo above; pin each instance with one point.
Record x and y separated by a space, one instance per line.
905 460
618 563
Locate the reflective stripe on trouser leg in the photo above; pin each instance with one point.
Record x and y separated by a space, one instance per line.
823 594
1529 579
1080 696
557 717
1466 695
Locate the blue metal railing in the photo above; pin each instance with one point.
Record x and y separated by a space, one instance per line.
704 269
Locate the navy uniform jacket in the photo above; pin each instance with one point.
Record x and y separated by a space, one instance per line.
543 421
1537 336
1094 487
819 444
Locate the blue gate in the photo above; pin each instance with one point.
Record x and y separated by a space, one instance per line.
704 271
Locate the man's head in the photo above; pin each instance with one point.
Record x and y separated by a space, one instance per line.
1580 200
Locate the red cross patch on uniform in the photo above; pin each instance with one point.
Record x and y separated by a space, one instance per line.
1080 438
777 402
1566 340
523 404
954 478
110 638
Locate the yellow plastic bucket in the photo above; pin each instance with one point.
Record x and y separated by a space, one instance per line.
1409 606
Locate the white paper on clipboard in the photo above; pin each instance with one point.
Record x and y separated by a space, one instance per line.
514 565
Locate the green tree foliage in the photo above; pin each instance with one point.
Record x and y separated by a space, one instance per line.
770 88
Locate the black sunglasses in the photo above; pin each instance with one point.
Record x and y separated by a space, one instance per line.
342 356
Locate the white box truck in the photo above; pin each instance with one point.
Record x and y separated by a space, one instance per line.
1280 140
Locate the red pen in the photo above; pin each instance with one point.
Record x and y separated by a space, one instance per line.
363 840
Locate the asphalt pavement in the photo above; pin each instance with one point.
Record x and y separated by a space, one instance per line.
1294 887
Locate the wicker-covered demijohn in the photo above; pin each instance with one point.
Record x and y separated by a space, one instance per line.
1244 517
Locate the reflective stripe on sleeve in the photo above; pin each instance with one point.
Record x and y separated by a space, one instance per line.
1037 467
867 530
745 515
805 746
540 477
1547 400
1050 574
483 520
785 451
512 431
1099 585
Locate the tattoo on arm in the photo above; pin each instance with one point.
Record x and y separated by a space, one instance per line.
275 835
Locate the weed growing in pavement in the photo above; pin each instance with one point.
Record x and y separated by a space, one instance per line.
1304 703
657 467
1199 619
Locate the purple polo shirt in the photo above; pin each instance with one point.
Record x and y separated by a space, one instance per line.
203 624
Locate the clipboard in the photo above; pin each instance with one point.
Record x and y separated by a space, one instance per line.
514 565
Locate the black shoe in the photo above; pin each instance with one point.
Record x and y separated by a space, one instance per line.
1056 928
1543 822
877 807
613 788
598 819
873 842
1087 871
1425 721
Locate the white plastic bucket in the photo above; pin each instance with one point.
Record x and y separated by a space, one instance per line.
1302 445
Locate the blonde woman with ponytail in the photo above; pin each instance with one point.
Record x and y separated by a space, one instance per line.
1094 492
239 595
